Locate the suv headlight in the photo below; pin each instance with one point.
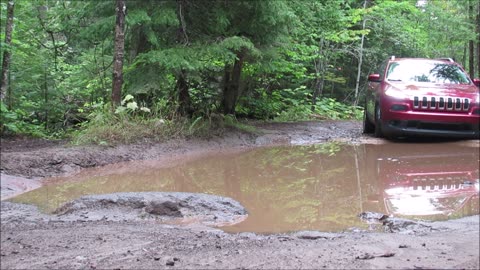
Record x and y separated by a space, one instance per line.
395 93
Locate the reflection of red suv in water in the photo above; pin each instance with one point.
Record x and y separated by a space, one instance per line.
441 181
414 96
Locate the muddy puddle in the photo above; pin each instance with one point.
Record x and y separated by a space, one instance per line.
290 188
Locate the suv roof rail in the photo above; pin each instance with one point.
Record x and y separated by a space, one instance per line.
447 59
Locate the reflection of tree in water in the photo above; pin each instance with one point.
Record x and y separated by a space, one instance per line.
321 187
281 187
307 187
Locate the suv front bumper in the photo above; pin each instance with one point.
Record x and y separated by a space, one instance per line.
423 128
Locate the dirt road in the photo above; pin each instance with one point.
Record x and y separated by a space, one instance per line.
106 233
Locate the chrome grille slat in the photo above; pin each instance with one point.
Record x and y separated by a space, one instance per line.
441 103
433 103
458 104
415 102
449 104
424 102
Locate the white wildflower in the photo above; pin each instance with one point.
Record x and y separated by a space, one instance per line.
132 105
127 98
145 109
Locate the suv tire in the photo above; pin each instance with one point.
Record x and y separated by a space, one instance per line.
368 127
378 122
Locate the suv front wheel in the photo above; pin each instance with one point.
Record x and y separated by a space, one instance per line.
378 122
368 127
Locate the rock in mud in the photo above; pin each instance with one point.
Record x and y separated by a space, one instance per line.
164 206
402 225
395 224
314 235
372 217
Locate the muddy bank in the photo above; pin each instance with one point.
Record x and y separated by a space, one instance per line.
32 158
13 185
79 237
31 240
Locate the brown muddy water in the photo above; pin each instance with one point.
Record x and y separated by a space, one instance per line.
290 188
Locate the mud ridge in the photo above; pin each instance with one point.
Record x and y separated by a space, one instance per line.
206 209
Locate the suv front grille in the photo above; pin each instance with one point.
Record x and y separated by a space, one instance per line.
435 126
441 103
440 182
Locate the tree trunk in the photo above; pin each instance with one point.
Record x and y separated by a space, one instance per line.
360 59
231 88
7 53
478 39
103 93
118 53
42 10
184 101
183 97
320 64
182 31
142 43
471 56
45 96
319 83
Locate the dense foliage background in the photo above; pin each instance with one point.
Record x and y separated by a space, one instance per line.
190 65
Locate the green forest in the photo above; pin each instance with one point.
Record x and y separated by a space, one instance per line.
120 70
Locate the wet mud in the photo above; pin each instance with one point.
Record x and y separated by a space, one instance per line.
163 207
77 236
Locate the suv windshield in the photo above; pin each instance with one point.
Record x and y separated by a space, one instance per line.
429 72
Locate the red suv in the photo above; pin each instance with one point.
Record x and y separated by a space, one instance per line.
416 96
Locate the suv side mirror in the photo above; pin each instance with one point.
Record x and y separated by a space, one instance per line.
374 78
476 82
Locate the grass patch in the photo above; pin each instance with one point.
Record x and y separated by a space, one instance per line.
108 128
231 121
126 130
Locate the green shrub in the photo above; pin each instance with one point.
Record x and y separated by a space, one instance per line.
131 123
332 109
17 122
293 105
295 113
326 108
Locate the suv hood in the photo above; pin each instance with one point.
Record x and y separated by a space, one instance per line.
429 89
